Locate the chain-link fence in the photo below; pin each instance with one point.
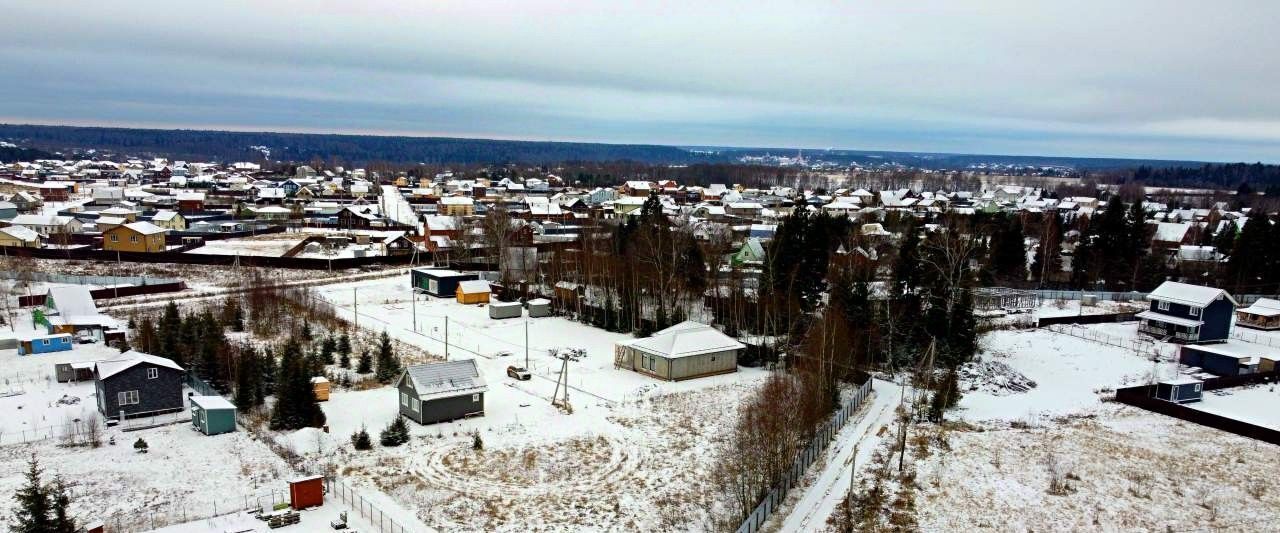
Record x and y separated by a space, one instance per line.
180 512
335 488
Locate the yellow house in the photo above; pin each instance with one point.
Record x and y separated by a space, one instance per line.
20 237
170 220
135 237
457 206
473 292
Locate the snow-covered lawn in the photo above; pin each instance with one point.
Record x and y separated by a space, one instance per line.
1258 404
1057 308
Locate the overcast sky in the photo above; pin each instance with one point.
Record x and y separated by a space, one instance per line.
1165 79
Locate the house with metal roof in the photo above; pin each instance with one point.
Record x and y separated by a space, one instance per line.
440 392
138 384
684 351
1262 314
1185 313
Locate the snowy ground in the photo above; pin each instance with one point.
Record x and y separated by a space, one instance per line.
1056 308
633 454
1258 404
271 245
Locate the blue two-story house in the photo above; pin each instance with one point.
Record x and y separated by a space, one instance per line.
1188 314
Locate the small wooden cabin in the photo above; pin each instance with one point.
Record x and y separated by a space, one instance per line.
473 292
320 385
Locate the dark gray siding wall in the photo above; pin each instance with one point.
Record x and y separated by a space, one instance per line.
161 394
404 387
446 409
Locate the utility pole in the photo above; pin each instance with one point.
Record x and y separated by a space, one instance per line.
413 302
446 337
526 345
355 306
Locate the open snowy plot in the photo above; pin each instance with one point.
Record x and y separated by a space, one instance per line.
273 245
1071 374
633 454
1124 469
185 474
1257 404
1057 308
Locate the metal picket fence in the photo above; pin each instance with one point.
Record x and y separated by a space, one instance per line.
336 488
1255 338
807 457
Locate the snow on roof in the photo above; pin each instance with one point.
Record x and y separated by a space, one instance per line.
72 300
539 301
440 272
1178 321
457 200
686 339
446 379
473 286
131 359
1171 231
21 233
1181 381
1263 307
505 304
145 228
212 402
1187 294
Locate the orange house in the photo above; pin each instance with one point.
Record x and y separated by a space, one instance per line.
473 292
134 237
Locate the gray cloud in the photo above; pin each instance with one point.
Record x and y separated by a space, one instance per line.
1169 79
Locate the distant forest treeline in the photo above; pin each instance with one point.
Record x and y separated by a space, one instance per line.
229 146
1232 176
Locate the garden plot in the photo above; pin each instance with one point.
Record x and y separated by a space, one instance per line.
273 245
1069 373
634 453
1258 404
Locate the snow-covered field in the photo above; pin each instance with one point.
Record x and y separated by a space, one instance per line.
634 453
273 245
1258 404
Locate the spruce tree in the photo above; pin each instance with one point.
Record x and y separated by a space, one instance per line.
327 348
344 346
360 440
395 434
170 330
248 380
61 500
365 363
296 406
389 367
34 503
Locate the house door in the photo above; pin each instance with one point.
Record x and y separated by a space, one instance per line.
1173 393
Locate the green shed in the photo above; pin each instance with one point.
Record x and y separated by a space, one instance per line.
213 415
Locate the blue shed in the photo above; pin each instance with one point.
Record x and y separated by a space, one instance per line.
1228 359
1181 390
60 342
439 282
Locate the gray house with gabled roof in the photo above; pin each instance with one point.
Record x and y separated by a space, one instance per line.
138 384
440 392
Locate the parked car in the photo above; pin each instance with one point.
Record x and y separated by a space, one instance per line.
502 353
518 372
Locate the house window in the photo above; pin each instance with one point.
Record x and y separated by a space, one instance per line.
1197 387
404 399
1195 311
115 237
44 342
127 398
133 238
153 373
475 398
1163 306
413 404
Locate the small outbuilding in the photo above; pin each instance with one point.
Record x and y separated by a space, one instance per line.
68 372
684 351
1226 359
58 342
320 385
440 392
499 310
213 415
438 282
306 492
1180 390
539 307
1263 314
473 292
